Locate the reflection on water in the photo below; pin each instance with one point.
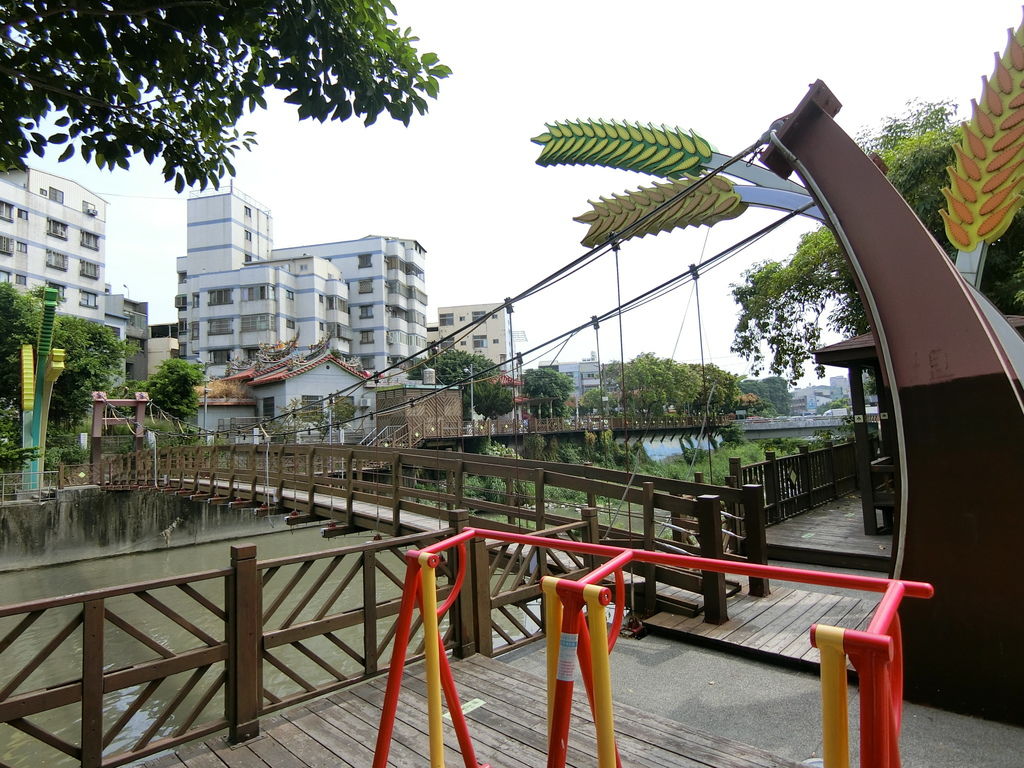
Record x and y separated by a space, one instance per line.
121 649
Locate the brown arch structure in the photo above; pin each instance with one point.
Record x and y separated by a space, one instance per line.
953 365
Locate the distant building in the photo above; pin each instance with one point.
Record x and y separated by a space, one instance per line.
162 345
52 232
585 374
364 298
490 339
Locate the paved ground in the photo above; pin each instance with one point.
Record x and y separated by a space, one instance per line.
778 709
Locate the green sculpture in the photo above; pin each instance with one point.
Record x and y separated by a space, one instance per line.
37 378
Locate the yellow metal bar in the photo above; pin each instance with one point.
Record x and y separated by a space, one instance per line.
432 653
28 378
835 723
552 635
604 718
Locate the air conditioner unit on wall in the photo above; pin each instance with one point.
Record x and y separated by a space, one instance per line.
92 211
364 402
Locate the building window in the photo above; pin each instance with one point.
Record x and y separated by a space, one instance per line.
332 302
290 295
268 407
248 212
59 288
248 259
57 260
220 356
218 297
495 342
366 337
90 270
87 299
56 228
366 286
321 326
365 311
6 245
56 195
193 332
182 278
22 247
289 324
320 298
257 292
23 214
446 318
90 240
5 277
478 315
479 342
367 363
251 353
248 236
220 326
6 213
21 280
259 322
365 260
195 301
89 208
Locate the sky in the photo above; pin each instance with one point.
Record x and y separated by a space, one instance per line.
462 180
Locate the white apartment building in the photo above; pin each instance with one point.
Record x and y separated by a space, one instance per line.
490 339
586 373
236 292
52 233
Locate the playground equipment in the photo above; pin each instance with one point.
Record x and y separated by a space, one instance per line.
38 373
876 653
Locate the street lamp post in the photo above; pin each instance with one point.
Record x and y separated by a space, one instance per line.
206 400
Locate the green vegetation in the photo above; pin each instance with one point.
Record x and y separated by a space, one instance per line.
172 387
171 79
549 386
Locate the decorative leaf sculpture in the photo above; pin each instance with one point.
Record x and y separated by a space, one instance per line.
985 185
665 152
713 202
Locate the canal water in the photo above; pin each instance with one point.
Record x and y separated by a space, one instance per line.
22 751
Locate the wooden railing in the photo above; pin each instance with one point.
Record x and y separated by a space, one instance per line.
312 482
159 663
794 484
531 424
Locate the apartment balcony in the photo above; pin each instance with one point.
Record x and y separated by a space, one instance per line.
397 324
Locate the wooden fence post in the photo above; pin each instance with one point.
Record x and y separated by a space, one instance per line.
591 533
804 468
458 484
709 519
771 487
538 498
396 494
92 684
755 544
244 632
649 569
832 467
370 611
481 588
736 468
462 613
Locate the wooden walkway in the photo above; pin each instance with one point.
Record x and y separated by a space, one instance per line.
774 627
506 710
832 534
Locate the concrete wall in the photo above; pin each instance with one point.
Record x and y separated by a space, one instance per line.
85 523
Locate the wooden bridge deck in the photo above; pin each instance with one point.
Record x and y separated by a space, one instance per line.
507 719
774 627
833 534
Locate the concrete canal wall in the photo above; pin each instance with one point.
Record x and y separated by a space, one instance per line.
83 523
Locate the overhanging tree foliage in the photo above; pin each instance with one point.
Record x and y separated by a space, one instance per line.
171 79
550 386
492 400
784 303
172 387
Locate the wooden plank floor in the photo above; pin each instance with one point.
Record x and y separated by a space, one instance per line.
506 710
774 626
832 534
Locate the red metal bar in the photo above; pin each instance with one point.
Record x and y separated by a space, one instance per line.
457 587
558 739
918 589
402 632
